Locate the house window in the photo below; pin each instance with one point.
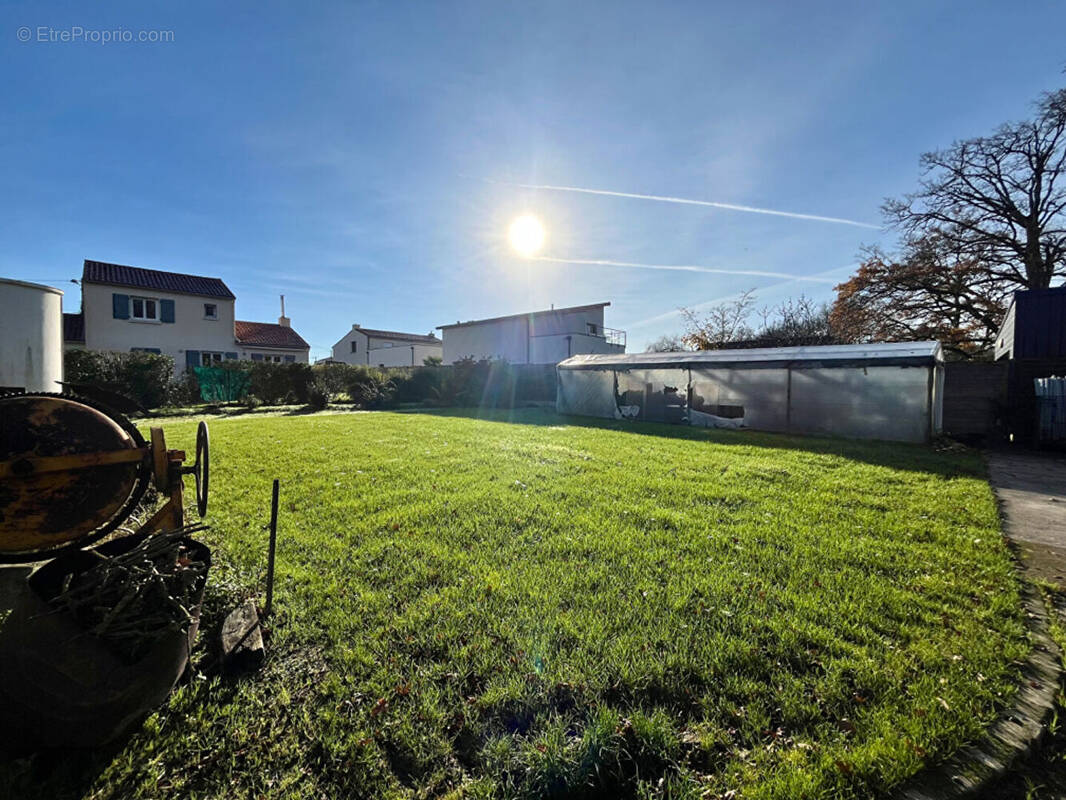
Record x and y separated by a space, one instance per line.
208 358
592 328
144 308
353 346
210 311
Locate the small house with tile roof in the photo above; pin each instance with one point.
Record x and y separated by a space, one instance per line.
188 317
379 348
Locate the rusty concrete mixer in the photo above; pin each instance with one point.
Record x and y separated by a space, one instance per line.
97 635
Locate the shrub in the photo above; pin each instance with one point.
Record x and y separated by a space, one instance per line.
333 378
369 387
278 383
184 390
147 378
318 397
418 385
251 402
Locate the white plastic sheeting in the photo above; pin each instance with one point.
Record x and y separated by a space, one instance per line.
887 391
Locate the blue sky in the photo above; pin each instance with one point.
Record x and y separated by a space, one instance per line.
361 157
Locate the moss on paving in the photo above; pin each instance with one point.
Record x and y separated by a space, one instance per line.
536 606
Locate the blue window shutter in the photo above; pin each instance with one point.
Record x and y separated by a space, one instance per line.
166 310
231 356
257 356
290 358
192 358
120 306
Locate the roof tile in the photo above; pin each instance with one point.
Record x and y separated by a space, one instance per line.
268 334
158 280
73 328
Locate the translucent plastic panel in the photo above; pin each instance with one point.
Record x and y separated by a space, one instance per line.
653 395
758 397
586 392
864 402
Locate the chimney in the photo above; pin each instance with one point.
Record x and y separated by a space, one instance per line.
355 325
284 321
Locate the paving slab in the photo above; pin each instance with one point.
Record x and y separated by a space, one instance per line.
1031 488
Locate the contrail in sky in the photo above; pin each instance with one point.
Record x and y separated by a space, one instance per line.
708 303
688 202
603 262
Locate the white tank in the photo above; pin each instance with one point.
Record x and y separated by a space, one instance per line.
31 337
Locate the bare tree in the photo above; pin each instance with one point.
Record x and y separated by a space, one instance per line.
720 324
794 322
667 343
998 201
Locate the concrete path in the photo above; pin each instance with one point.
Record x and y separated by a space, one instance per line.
1032 490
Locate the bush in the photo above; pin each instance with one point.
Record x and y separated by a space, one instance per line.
332 378
369 387
418 385
279 383
318 398
184 390
251 402
147 378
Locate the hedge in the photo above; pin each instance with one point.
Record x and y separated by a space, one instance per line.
147 378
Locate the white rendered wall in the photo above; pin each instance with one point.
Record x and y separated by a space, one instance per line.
189 331
31 336
403 355
536 339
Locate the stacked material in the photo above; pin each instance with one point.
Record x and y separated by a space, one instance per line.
134 599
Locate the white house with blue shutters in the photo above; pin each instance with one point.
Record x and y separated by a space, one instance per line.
188 317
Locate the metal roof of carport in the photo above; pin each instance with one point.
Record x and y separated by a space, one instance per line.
882 354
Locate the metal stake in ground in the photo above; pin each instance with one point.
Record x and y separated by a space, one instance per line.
270 552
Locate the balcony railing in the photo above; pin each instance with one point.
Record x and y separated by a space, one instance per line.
609 335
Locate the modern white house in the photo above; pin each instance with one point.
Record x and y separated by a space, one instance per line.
538 337
378 348
188 317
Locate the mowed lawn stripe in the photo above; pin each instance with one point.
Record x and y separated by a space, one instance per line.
526 606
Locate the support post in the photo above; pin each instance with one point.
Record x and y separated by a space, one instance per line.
270 552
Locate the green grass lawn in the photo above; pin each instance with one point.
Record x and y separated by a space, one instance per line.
538 607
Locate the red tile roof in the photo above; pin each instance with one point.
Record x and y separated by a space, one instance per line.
73 328
268 334
160 281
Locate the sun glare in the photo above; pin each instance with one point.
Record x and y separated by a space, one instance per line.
526 235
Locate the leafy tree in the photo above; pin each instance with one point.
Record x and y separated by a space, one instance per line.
931 292
998 201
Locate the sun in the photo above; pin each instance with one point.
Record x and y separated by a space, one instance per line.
526 235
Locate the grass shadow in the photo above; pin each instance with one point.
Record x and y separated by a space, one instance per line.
892 455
